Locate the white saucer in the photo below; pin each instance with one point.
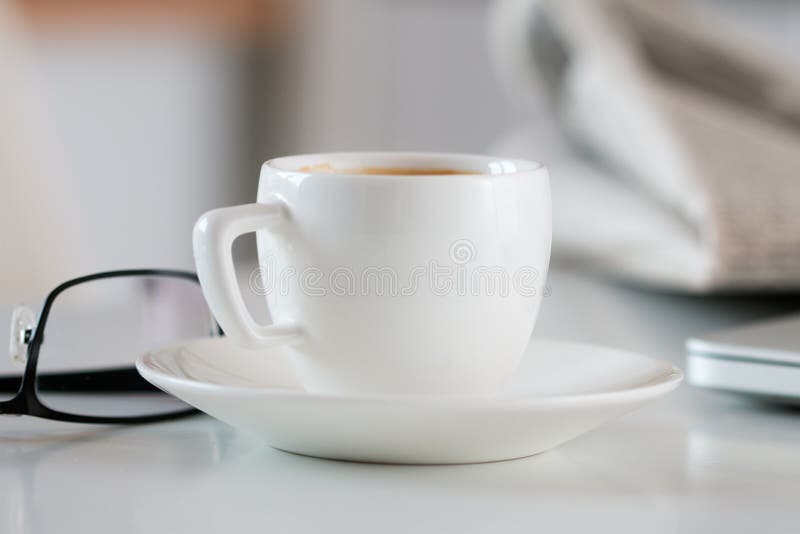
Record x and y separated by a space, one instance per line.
560 391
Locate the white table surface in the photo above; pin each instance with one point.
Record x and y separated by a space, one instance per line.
695 461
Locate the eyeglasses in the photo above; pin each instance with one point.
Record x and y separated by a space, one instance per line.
96 327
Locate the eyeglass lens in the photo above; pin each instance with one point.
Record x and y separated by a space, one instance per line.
105 325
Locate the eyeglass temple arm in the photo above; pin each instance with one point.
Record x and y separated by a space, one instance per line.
96 380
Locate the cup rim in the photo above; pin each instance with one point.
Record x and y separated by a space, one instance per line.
473 165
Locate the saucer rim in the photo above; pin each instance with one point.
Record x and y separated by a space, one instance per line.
670 380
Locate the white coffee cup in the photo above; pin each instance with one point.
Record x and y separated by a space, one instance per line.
425 284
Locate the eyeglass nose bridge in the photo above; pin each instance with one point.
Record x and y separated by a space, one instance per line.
23 320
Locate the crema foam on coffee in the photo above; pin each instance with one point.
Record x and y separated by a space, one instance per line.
393 171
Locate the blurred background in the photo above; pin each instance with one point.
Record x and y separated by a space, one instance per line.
130 118
123 120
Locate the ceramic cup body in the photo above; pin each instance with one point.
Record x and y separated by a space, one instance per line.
398 284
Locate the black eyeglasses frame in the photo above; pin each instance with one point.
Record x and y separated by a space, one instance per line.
27 402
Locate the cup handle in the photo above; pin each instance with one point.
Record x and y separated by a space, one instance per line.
213 238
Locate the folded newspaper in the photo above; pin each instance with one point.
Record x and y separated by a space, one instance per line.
675 151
